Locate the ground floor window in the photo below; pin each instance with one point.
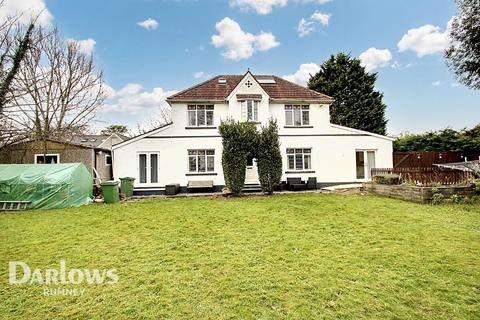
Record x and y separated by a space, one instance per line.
47 158
365 162
202 160
148 167
108 160
299 159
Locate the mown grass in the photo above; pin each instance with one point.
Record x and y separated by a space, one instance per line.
299 256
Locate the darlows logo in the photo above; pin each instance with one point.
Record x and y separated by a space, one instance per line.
20 273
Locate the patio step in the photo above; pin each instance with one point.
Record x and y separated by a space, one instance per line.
251 187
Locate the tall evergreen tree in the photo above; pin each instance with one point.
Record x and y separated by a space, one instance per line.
463 55
269 157
357 104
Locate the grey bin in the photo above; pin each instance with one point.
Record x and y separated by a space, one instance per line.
172 189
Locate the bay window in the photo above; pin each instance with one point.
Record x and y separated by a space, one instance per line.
200 115
297 115
299 159
201 160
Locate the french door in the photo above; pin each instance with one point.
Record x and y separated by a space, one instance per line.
148 167
365 162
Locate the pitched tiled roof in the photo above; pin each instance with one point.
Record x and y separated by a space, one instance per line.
280 90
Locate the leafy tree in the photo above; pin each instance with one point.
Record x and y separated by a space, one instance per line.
357 104
115 128
239 140
466 141
269 157
18 55
463 55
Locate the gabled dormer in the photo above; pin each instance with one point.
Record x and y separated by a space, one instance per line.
248 101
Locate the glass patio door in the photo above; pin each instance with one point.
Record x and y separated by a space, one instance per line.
365 162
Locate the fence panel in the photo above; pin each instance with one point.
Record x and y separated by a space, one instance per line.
427 176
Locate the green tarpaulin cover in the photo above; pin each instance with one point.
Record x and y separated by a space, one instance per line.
46 186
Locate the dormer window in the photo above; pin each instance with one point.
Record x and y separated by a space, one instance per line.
200 115
250 110
297 115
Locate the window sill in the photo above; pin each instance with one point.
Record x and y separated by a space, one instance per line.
201 174
298 127
201 127
300 171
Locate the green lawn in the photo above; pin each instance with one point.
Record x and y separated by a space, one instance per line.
297 256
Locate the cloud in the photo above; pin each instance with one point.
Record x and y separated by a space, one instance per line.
133 100
260 6
425 40
323 18
374 58
266 6
86 46
148 24
238 44
307 26
455 84
436 83
27 10
201 75
302 75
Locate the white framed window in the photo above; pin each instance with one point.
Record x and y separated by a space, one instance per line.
250 110
364 163
108 160
201 160
148 167
299 159
49 158
200 115
297 115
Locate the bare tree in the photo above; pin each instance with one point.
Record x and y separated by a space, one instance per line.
58 89
163 117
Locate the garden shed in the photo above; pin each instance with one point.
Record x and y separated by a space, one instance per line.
44 186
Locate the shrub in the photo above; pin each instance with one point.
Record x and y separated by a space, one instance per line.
239 140
456 199
477 186
437 197
387 179
269 158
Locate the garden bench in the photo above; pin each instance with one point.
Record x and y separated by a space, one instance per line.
200 184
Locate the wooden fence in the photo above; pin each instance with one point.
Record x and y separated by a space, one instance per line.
427 176
424 159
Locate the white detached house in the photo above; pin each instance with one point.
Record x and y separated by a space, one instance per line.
190 147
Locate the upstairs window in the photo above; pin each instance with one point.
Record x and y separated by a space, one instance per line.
201 161
250 110
299 159
297 115
200 115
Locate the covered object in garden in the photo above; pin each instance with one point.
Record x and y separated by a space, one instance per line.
46 186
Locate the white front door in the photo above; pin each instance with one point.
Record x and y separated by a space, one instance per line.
251 173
